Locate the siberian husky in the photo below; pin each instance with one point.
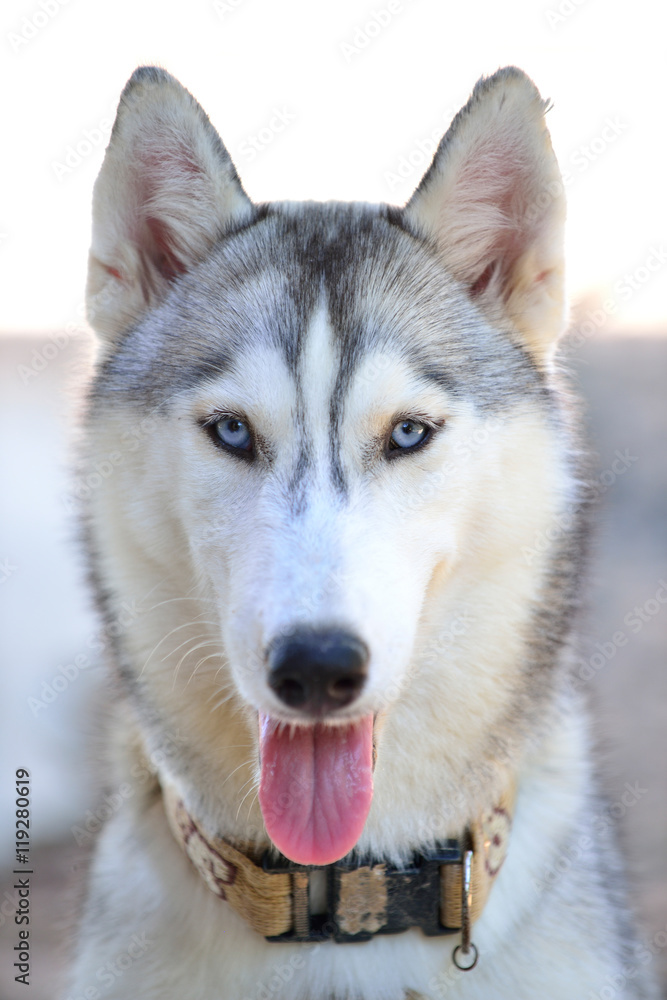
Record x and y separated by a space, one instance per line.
348 505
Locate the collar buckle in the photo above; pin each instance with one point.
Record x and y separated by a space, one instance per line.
362 901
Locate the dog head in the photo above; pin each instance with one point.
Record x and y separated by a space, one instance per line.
352 445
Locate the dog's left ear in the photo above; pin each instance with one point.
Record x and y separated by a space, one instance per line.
493 205
167 191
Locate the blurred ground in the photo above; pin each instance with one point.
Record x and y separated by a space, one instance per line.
624 381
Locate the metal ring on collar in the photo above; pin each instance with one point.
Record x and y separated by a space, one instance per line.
455 959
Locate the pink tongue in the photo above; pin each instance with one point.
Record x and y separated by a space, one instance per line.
315 787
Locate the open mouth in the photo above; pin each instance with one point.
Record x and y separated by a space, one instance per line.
316 786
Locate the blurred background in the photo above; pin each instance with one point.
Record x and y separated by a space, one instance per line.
342 100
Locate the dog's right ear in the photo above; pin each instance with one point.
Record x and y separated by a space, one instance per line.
492 205
167 191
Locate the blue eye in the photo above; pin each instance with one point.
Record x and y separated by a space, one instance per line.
408 435
233 433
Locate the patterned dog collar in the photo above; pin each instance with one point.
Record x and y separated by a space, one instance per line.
441 891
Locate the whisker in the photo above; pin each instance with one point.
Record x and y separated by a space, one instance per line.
228 697
245 782
174 600
211 656
155 648
238 746
188 652
243 800
252 804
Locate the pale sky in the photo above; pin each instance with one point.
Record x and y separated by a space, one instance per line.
334 100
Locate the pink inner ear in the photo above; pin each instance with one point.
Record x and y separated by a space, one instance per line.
482 283
173 159
491 227
163 253
167 180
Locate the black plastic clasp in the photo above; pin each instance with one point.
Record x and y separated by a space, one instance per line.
413 896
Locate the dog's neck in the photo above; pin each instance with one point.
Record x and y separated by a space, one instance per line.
442 891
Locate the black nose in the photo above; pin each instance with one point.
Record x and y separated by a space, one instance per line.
318 672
